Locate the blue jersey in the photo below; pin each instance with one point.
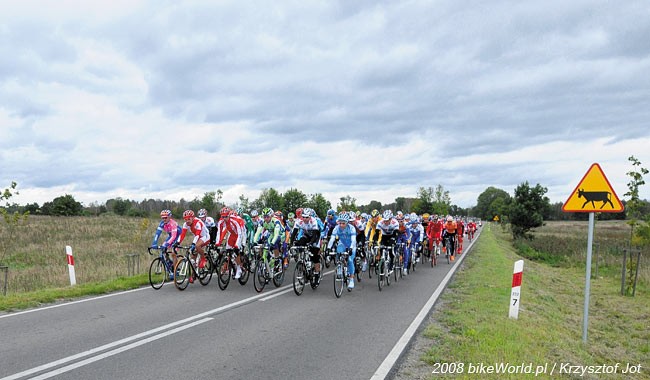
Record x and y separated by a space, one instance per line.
347 237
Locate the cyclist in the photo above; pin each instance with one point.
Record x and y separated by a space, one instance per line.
209 223
330 223
403 233
306 232
201 237
270 230
347 239
460 230
372 234
360 225
235 228
286 236
449 233
415 241
434 232
173 230
291 219
388 228
471 229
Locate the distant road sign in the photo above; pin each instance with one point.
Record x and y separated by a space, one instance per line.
593 194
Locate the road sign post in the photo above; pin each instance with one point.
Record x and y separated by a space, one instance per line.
515 293
593 190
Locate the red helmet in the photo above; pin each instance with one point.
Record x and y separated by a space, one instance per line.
225 212
188 215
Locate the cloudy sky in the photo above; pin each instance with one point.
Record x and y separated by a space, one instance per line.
373 99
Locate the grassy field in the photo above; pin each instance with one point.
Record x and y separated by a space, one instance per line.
470 325
38 265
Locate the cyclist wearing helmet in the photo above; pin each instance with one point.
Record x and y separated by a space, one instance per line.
271 230
434 231
291 219
235 228
308 232
209 223
201 236
372 234
347 239
330 223
388 228
173 230
415 242
449 232
460 231
403 233
360 224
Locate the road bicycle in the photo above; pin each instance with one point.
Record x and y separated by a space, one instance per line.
161 269
398 261
382 258
267 268
187 269
226 267
340 270
303 273
448 247
425 253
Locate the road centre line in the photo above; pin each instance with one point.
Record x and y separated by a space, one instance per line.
139 336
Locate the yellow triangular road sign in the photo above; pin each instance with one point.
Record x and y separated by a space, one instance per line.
593 194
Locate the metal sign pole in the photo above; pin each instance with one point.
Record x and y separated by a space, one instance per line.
590 240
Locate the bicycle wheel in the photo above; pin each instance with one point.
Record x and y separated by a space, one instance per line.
157 273
397 267
182 273
245 270
278 276
299 278
223 272
380 275
259 279
205 273
339 280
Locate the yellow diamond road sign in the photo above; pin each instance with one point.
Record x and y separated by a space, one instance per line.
593 194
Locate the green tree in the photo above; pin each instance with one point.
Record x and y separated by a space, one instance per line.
293 199
118 205
270 198
441 201
13 221
347 204
491 202
634 203
527 209
319 204
65 206
424 201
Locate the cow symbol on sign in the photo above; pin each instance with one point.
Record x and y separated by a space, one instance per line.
595 196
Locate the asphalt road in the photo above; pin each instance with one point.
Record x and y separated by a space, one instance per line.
204 332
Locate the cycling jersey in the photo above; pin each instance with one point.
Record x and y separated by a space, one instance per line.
198 229
347 237
173 230
272 230
235 227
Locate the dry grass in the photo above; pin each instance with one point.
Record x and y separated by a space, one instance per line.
37 260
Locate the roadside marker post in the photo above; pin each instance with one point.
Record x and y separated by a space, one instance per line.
594 187
68 252
515 293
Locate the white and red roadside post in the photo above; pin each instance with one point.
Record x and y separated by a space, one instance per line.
68 252
515 294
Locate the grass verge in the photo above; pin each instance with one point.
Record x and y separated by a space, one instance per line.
471 326
36 298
